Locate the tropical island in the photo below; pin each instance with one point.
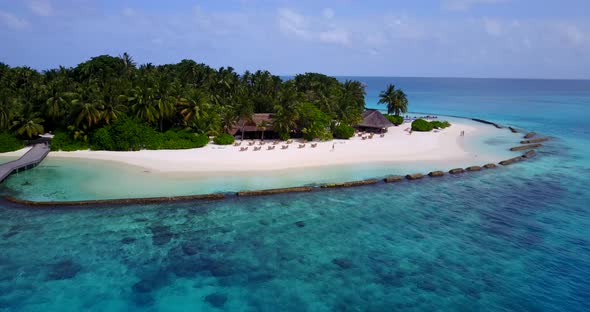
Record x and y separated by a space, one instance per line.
189 117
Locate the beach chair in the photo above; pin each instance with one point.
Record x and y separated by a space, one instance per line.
301 145
262 142
314 145
285 147
270 148
251 143
364 138
275 143
257 148
382 135
243 149
289 141
237 143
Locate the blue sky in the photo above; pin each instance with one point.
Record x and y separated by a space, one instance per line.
440 38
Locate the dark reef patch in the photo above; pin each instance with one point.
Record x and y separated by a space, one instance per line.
216 300
65 269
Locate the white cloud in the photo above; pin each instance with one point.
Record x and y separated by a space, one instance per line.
376 39
328 13
492 27
40 7
11 21
465 5
291 22
574 35
129 12
334 36
307 28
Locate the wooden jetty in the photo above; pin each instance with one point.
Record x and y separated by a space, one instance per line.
29 160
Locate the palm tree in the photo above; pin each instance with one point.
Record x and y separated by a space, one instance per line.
287 112
5 111
29 126
86 114
194 105
396 100
112 110
244 109
262 127
128 64
143 104
352 102
228 117
164 109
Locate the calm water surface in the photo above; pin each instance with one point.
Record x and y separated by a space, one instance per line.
511 239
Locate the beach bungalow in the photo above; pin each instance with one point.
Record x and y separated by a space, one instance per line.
374 121
256 128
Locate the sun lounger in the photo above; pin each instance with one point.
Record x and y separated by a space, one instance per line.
257 148
251 143
237 143
364 138
275 143
314 145
270 148
382 135
285 147
262 142
301 145
243 149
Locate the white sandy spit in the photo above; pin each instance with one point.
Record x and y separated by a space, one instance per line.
397 146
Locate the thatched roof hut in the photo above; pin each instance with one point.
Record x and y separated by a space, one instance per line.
373 120
259 122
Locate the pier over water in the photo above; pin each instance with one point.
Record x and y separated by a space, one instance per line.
29 160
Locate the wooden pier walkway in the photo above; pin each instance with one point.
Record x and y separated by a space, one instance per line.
29 160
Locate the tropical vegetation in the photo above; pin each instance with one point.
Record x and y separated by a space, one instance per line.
343 131
425 126
9 143
396 100
396 120
224 139
112 103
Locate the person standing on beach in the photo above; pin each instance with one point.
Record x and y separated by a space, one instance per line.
332 146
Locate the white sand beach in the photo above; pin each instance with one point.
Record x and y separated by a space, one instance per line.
396 146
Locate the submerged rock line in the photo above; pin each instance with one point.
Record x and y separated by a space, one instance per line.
299 189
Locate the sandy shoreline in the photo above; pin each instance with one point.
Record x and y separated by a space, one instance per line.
397 146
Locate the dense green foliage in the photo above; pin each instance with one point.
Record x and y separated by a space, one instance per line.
314 123
440 124
182 140
421 125
396 120
9 143
87 101
223 139
396 100
63 141
127 134
343 131
425 126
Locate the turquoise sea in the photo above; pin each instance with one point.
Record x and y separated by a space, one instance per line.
510 239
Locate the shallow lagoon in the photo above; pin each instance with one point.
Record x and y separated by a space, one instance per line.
511 239
61 179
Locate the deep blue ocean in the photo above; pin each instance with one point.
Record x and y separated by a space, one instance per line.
512 239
